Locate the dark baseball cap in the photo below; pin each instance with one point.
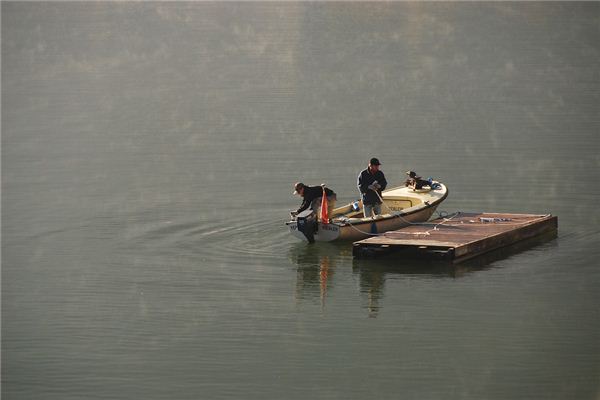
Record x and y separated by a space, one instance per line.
374 161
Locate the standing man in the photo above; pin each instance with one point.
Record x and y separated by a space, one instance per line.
371 182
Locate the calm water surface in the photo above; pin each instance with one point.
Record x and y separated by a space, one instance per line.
148 157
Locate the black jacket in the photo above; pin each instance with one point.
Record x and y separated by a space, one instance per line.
311 193
365 179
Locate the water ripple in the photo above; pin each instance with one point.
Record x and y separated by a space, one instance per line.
241 238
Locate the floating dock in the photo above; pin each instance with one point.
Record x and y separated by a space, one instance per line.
458 237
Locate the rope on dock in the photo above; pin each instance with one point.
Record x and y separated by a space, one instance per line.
426 233
485 221
435 228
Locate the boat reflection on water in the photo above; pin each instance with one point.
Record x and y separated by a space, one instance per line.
373 273
318 265
316 268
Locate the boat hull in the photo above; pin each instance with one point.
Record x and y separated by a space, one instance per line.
362 230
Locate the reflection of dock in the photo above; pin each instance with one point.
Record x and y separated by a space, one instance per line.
464 236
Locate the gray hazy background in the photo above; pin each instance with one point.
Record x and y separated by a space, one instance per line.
148 157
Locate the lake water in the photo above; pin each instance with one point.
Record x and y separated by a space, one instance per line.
148 156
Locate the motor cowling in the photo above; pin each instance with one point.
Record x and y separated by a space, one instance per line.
308 226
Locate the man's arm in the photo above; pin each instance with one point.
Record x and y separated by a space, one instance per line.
303 206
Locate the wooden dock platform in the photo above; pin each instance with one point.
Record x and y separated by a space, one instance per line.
459 237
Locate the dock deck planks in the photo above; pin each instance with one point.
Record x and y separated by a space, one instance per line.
460 237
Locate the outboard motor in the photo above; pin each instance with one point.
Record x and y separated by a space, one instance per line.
307 224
